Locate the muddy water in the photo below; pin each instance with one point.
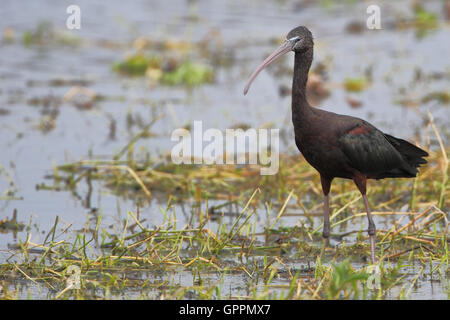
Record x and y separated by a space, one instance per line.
247 32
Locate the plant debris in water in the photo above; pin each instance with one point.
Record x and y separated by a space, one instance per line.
131 260
46 35
168 72
276 262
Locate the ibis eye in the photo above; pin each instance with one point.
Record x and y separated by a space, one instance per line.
299 45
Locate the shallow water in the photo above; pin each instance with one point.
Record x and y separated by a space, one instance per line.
247 31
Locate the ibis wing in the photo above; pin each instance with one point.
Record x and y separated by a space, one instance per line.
369 151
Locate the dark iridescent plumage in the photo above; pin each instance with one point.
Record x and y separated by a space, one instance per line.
338 146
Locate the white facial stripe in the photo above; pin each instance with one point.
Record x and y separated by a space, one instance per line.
293 38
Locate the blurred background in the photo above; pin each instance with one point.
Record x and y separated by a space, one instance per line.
144 68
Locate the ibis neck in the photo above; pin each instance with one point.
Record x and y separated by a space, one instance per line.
300 105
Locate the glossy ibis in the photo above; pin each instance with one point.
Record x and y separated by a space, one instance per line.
340 146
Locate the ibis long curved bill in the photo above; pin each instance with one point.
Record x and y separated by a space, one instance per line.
283 49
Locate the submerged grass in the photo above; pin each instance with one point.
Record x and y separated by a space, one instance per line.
149 263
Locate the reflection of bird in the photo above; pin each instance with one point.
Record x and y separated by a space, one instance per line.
340 146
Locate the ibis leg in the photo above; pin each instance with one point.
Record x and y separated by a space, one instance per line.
326 225
360 181
371 230
326 184
326 219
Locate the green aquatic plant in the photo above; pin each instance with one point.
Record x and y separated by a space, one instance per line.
137 64
45 34
188 73
424 21
345 281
